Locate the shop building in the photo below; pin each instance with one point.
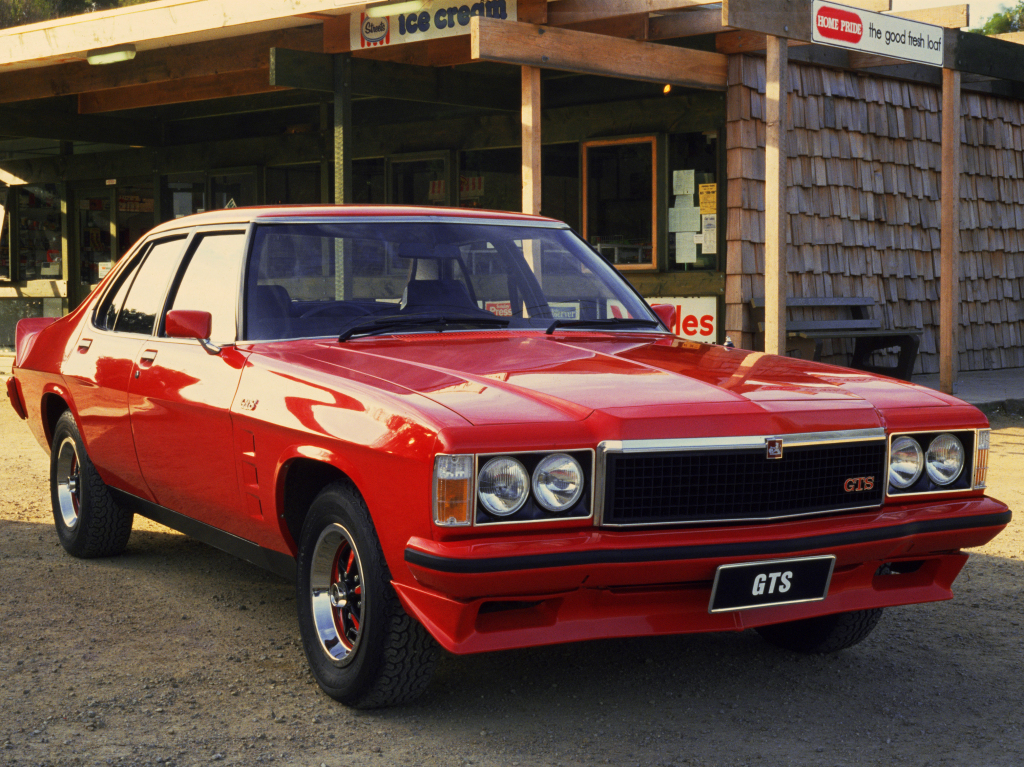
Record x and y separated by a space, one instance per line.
642 124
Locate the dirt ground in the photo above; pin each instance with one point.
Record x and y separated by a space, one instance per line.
176 654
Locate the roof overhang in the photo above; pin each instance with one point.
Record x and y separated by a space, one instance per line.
155 25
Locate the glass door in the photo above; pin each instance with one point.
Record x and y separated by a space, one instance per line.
420 179
95 241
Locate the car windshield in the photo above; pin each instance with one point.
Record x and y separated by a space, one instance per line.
311 280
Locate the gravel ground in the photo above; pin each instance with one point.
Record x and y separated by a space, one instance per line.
176 654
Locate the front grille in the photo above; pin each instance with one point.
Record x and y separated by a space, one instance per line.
711 485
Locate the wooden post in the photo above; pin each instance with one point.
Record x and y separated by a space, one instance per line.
775 290
949 279
342 127
531 140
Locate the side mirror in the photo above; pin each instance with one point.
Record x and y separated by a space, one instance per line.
190 323
667 314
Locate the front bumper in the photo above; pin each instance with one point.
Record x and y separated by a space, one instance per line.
494 594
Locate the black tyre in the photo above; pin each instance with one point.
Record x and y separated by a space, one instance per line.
828 633
363 648
89 521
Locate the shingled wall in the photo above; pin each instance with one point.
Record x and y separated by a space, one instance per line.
864 183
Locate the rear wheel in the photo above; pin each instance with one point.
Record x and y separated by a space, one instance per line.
825 634
89 521
363 648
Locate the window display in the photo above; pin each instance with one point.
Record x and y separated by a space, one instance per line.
39 242
620 179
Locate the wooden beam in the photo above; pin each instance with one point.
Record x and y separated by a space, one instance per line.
949 279
32 123
775 272
301 69
782 18
982 55
549 48
704 21
162 65
531 113
178 91
949 16
575 11
408 82
633 27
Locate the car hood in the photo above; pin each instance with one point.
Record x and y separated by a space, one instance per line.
492 377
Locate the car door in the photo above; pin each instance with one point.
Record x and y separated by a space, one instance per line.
99 368
180 395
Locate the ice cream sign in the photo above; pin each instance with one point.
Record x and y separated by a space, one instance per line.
423 20
876 33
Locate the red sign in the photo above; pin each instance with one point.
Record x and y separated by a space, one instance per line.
837 24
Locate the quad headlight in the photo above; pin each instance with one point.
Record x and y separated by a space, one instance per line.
906 460
503 486
944 459
558 482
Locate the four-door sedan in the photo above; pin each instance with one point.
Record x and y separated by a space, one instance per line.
464 429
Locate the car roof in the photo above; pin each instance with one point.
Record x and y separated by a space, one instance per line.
314 212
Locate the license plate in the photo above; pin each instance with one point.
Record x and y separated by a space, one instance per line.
778 582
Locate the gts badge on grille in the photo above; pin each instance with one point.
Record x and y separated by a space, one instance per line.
859 484
773 449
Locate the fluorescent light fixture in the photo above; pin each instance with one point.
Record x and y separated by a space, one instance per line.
394 9
111 55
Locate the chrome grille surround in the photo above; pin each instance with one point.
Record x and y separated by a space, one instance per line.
607 451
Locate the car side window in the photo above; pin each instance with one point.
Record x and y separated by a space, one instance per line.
148 289
211 281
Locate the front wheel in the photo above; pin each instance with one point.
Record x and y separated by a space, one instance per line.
90 523
825 634
363 648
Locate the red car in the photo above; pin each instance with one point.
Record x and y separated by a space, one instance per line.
464 429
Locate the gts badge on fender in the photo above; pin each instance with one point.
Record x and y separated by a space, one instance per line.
859 484
248 404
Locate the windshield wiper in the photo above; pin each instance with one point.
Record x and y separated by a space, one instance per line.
430 321
617 322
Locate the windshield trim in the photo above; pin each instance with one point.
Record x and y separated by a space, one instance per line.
523 223
411 331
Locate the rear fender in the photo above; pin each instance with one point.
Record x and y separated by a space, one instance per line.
25 336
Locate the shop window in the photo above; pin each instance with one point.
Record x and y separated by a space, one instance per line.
95 245
232 190
560 188
491 179
182 194
421 180
294 184
694 234
134 215
5 235
620 180
369 186
38 232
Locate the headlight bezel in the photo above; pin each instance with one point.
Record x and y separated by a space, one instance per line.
531 512
964 482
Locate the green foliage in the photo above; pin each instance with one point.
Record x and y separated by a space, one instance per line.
14 13
1010 20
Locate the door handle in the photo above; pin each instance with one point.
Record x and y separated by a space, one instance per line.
84 344
147 356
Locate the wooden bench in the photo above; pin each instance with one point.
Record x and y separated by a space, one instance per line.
868 333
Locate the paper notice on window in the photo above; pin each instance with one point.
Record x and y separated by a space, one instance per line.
708 198
709 232
682 182
686 248
684 219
